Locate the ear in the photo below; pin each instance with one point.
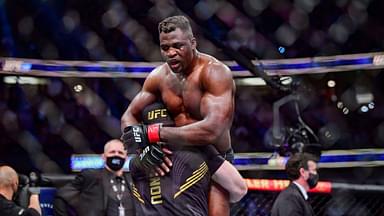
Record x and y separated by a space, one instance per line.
302 171
194 43
15 187
103 157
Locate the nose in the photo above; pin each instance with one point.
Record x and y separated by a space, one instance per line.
170 53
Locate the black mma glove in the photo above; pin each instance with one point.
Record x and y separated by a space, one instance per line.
140 136
151 156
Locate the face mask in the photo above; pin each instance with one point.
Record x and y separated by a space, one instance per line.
312 180
115 163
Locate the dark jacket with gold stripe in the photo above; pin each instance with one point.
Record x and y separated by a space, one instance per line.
183 191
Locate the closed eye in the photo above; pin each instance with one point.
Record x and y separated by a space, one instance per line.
178 45
164 47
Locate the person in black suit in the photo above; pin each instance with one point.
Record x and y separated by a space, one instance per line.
301 169
99 192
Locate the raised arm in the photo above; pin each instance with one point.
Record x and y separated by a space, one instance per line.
216 109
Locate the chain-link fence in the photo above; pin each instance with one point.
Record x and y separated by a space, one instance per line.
337 203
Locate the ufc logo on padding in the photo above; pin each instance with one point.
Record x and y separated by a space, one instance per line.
154 114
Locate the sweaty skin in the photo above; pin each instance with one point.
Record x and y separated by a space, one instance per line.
198 90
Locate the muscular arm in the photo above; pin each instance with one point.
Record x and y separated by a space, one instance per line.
145 97
230 179
216 110
132 115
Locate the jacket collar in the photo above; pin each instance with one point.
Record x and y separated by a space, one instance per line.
302 190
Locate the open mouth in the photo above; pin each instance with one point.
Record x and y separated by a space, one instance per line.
174 64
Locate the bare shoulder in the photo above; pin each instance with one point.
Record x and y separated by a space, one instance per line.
213 68
154 79
159 71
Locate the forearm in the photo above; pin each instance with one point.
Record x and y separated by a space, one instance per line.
34 203
200 133
128 119
133 113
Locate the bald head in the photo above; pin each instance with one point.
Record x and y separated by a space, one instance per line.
8 176
114 148
113 144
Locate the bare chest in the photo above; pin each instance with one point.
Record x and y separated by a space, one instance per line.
183 97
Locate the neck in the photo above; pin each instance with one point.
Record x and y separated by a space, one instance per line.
117 173
7 193
189 70
303 183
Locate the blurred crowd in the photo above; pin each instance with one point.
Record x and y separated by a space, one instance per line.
43 124
127 30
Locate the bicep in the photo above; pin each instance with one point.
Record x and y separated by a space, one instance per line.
141 100
218 98
145 97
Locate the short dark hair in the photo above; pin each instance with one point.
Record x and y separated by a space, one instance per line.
170 24
297 161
